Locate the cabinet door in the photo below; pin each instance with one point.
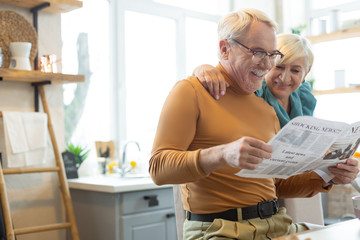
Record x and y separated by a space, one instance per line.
159 225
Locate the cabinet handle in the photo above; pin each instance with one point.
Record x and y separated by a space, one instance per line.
153 201
170 215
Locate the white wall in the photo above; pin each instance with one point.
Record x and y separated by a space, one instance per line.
287 13
273 8
43 188
267 6
294 14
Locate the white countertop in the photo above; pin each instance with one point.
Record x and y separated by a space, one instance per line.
113 184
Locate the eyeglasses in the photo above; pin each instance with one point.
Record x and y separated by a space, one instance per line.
258 56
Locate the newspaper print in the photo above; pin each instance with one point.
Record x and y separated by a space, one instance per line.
308 144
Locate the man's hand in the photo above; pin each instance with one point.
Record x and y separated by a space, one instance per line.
345 172
244 153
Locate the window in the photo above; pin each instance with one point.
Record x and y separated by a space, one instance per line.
86 51
150 72
137 50
158 44
200 45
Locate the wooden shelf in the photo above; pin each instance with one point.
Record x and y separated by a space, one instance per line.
14 75
338 35
337 91
56 6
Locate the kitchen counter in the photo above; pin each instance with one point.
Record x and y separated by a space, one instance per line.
113 183
114 208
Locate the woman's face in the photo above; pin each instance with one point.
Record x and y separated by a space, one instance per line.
283 79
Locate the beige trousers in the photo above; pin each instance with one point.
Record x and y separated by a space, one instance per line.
251 229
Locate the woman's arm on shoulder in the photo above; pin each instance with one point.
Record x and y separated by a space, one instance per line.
212 79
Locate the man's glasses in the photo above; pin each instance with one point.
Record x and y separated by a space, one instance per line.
258 56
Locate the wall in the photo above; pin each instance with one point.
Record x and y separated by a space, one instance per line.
287 14
339 201
42 188
273 8
266 6
294 14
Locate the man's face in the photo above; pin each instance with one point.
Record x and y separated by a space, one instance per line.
239 64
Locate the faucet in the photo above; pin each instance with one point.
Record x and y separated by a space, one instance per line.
123 171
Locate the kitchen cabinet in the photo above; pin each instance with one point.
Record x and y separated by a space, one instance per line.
129 213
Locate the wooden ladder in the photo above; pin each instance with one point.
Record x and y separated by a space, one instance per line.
71 221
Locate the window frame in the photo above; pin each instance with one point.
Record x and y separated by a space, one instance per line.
117 56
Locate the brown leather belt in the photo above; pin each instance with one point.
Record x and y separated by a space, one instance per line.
262 210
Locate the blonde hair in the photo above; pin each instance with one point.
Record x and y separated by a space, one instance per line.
295 46
232 24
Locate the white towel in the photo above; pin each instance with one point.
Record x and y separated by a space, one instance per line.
25 138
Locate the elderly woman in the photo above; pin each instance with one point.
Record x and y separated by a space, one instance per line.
284 89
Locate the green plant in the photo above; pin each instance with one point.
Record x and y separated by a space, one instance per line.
311 80
81 153
298 29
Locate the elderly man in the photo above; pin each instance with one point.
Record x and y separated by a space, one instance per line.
202 142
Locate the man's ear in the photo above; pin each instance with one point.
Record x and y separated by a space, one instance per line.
224 48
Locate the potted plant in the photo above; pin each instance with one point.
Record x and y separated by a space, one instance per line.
298 29
311 81
81 153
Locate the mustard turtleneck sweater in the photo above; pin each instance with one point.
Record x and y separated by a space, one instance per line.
192 120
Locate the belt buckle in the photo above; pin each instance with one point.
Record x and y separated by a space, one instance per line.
267 208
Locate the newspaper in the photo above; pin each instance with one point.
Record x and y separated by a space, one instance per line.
308 144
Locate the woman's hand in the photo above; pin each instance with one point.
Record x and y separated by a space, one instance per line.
212 79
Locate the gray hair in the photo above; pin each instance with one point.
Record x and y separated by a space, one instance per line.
295 46
232 24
